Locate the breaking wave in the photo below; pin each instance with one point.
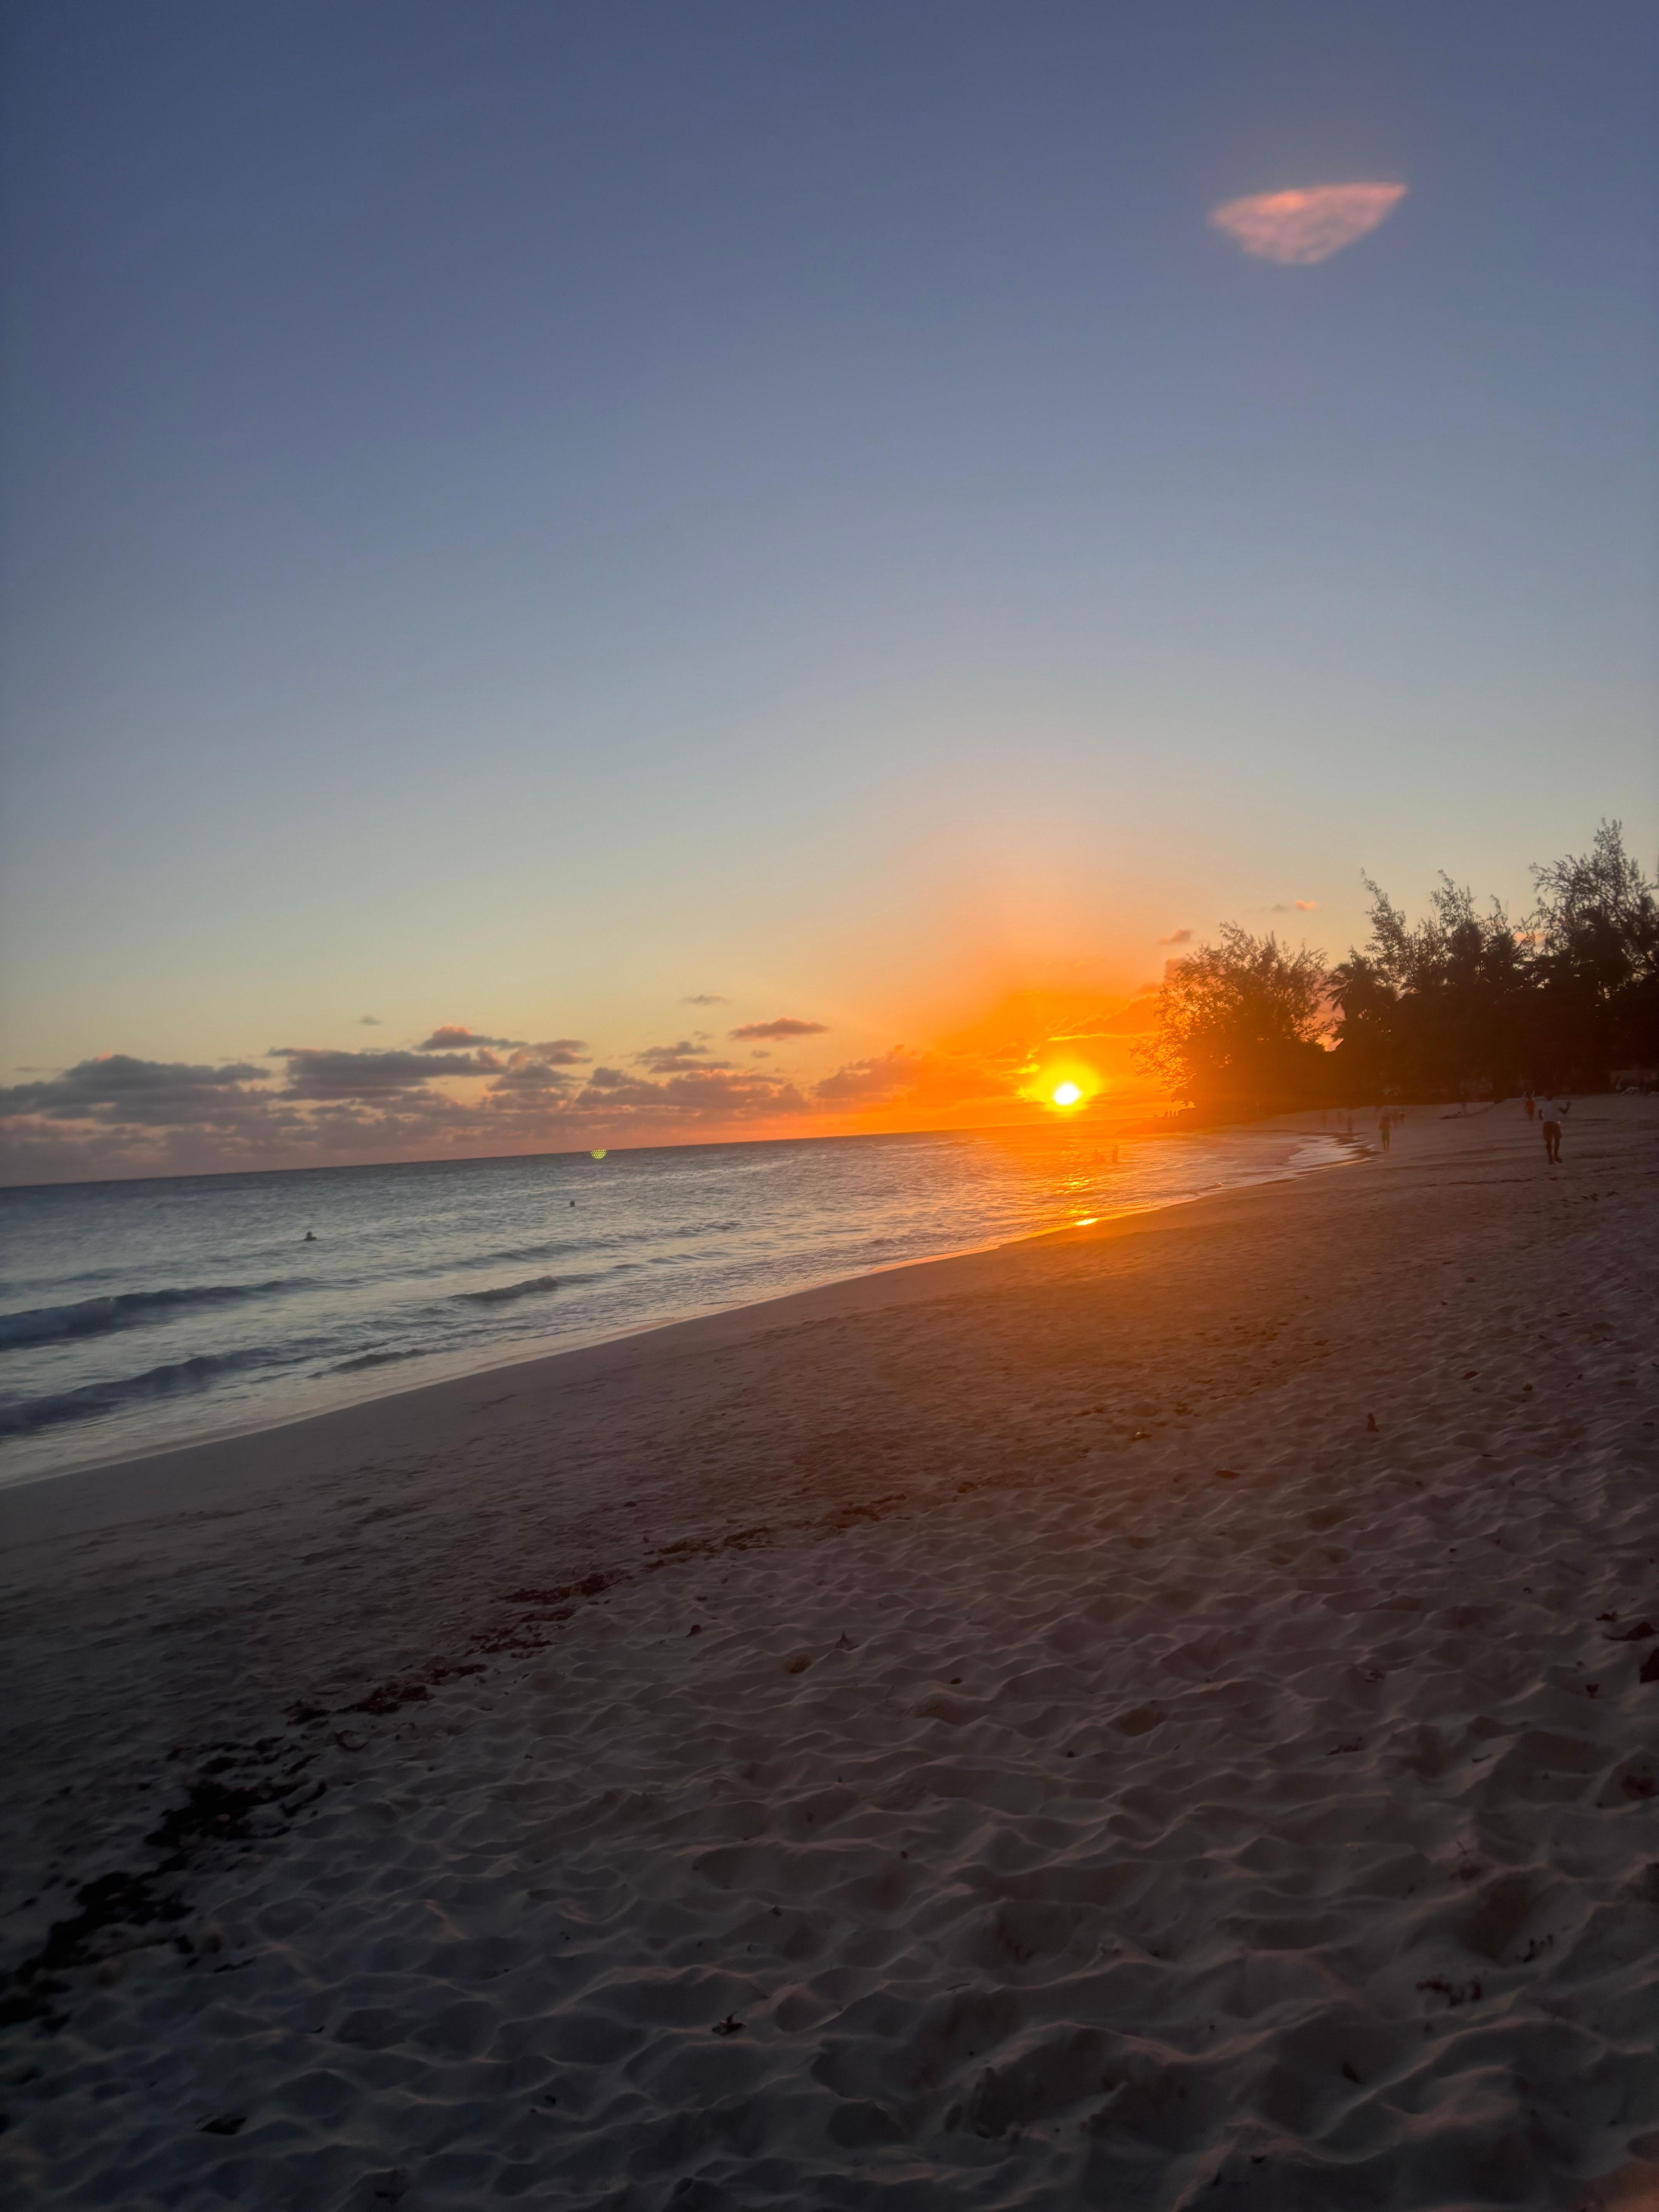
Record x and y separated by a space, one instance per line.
127 1309
27 1416
367 1359
535 1286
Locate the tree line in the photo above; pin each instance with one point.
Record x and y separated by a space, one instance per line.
1459 1004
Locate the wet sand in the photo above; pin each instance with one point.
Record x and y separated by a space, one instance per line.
1154 1714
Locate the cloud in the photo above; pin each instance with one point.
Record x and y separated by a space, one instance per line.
732 1092
1301 227
785 1025
704 1093
368 1022
122 1116
526 1076
1177 937
120 1091
449 1037
1295 906
553 1052
706 999
675 1059
339 1075
1136 1019
929 1082
873 1082
309 1105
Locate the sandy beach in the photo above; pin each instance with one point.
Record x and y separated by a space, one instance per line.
1169 1713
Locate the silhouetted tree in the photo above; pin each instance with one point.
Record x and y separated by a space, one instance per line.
1438 1006
1239 1024
1459 1000
1596 930
1367 1003
1462 998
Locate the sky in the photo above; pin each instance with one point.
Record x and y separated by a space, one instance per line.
758 570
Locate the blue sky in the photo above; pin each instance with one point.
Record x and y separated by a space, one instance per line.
520 516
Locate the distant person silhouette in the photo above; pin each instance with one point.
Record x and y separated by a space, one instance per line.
1554 1111
310 1236
1385 1129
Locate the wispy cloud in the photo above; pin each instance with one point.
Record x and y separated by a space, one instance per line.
1300 228
1135 1019
706 999
368 1021
785 1025
1295 906
1177 937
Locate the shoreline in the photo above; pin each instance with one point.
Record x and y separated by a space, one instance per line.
1164 1706
370 1395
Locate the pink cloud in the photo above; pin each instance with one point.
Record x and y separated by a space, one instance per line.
1305 227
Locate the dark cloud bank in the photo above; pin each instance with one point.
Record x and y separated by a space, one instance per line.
310 1105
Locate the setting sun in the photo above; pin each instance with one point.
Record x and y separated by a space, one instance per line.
1065 1094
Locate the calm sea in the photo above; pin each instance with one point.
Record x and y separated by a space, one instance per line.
134 1315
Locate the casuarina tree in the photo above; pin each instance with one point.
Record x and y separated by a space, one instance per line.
1596 930
1239 1024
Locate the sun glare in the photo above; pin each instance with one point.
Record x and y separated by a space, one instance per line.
1065 1094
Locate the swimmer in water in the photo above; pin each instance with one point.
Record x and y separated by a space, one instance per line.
310 1236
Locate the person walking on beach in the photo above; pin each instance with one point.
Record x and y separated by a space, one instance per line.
1554 1112
1385 1129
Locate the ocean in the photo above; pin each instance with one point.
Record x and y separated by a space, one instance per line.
134 1316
